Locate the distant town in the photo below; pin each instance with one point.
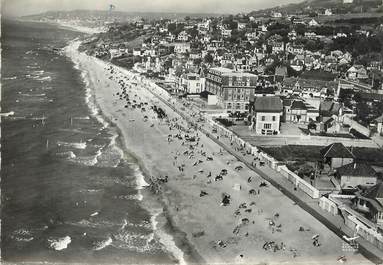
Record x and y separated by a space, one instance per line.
300 86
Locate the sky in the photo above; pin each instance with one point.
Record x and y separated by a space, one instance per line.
27 7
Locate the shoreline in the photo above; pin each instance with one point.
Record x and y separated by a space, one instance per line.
201 217
66 26
164 219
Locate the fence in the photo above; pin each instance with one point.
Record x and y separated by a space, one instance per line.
269 161
328 205
364 230
298 182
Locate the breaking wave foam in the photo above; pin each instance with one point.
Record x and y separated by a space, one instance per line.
59 243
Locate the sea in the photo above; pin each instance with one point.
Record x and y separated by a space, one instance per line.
69 194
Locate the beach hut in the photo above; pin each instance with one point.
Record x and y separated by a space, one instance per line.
237 187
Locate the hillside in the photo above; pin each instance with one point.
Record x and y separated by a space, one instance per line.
118 15
318 6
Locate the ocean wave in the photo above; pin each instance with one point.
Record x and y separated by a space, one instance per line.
33 95
81 118
22 235
144 224
38 72
93 214
140 181
110 157
95 224
44 78
103 244
166 239
84 160
136 197
59 243
81 145
10 78
92 190
142 243
68 154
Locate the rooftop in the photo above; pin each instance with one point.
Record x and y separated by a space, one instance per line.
356 169
336 150
268 104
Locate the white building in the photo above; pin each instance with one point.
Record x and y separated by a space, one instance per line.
181 47
267 112
277 14
191 83
313 23
226 33
328 12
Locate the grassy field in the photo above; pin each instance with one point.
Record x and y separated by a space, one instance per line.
290 153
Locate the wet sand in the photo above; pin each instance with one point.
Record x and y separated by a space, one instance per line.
205 229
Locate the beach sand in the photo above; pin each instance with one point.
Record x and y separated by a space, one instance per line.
203 227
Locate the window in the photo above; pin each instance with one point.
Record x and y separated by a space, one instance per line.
229 105
263 118
274 118
267 126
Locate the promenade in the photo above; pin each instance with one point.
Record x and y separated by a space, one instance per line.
310 205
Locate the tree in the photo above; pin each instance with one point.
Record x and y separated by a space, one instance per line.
300 29
209 58
193 32
312 126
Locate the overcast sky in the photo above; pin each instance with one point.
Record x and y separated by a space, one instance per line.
26 7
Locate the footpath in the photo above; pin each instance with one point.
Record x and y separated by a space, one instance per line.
310 205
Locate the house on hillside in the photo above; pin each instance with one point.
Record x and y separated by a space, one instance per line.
352 175
181 47
328 12
379 124
277 47
183 36
266 112
357 72
370 202
294 48
330 109
336 155
313 23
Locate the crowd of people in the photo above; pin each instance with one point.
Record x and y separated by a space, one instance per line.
189 152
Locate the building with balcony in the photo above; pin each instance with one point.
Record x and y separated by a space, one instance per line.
233 89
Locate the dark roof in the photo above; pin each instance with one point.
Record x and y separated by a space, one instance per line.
375 192
298 104
287 102
268 104
328 108
356 169
337 150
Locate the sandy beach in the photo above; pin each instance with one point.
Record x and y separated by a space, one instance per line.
215 222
